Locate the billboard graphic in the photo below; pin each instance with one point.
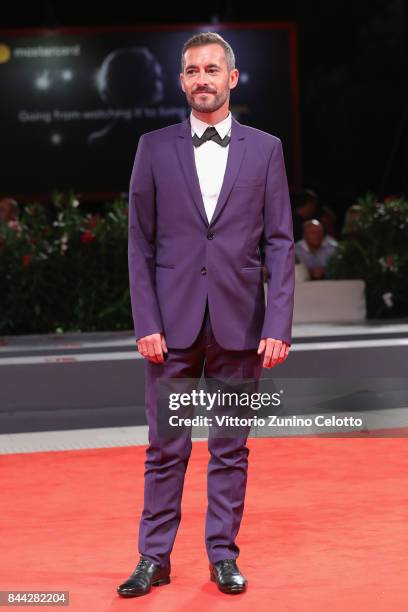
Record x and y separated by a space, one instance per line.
75 102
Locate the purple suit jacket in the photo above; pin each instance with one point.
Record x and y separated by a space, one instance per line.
177 259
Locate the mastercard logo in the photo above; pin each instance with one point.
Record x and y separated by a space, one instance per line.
5 53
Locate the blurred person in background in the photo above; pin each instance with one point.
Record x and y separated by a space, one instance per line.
351 218
306 206
328 219
315 249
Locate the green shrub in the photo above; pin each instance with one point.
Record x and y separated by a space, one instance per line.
62 269
374 247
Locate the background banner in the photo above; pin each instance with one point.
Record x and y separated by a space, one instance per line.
75 101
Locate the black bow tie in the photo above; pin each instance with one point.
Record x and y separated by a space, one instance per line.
211 134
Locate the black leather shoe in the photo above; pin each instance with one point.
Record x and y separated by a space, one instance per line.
228 577
145 575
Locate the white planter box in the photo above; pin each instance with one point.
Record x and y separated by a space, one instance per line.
329 300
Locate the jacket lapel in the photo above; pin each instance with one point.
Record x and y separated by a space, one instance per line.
185 150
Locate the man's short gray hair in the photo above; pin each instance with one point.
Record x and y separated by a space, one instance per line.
209 38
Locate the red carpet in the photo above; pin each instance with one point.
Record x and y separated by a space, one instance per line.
325 527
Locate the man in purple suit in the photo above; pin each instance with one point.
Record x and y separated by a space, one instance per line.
204 194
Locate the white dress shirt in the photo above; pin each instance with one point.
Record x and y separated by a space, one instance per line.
211 161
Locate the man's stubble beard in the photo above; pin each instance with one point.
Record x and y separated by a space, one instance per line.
213 103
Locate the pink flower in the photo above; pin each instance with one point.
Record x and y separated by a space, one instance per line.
15 225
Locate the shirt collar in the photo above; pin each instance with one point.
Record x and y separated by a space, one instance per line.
199 127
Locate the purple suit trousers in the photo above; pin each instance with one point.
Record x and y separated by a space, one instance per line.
167 458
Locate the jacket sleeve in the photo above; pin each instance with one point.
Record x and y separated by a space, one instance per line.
141 245
279 250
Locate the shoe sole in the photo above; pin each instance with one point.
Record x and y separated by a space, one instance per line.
160 582
233 590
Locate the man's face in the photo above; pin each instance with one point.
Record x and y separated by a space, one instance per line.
313 235
206 80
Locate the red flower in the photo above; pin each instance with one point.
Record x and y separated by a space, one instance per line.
26 259
87 237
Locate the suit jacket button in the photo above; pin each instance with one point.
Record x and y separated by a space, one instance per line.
210 235
203 270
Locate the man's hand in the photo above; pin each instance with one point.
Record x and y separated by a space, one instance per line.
151 347
276 351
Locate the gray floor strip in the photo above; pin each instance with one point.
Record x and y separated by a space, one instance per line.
132 355
107 437
101 437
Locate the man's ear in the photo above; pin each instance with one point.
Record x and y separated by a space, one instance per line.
235 79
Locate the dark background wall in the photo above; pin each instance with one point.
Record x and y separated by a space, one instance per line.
352 76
